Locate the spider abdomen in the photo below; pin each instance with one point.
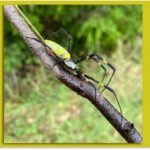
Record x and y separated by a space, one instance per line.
58 49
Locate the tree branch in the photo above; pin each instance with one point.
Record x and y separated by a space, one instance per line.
127 131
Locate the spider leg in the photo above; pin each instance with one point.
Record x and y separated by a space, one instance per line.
39 42
55 57
100 84
101 65
87 78
68 36
53 66
113 92
100 60
55 33
113 72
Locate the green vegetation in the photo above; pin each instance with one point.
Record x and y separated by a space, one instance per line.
38 108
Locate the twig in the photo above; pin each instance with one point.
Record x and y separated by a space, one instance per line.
127 131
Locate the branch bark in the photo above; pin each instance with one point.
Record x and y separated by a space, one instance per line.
128 131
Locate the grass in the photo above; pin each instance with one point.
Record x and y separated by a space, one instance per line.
40 109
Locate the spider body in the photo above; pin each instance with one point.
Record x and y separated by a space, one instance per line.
63 56
61 53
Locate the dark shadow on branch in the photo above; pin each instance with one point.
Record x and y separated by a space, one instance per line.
127 131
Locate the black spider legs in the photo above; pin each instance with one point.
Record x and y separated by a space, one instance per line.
69 37
39 42
86 78
57 61
100 61
96 58
113 69
91 57
102 64
113 92
100 84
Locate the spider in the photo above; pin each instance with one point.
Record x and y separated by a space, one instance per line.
63 56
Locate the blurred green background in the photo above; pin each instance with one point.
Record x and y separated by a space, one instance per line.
38 108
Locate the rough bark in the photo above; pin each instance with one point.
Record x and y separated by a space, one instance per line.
127 131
